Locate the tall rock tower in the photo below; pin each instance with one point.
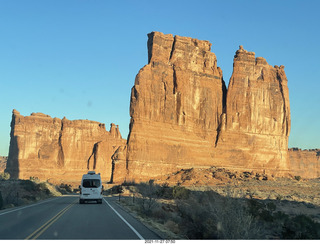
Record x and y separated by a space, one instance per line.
175 107
182 115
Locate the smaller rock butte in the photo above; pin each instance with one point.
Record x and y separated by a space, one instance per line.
60 150
305 163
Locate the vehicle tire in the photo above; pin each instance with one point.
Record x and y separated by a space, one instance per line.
99 201
80 201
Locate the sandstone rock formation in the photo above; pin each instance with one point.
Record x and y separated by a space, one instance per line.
175 107
60 150
256 124
182 115
304 163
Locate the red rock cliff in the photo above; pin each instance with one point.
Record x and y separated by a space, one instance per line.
256 125
175 107
304 163
60 150
182 115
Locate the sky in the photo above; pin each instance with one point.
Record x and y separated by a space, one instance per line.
78 58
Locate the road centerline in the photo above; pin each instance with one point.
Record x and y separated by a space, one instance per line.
34 235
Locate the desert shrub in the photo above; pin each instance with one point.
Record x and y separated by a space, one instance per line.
148 189
147 204
205 215
281 216
173 226
28 185
64 188
42 187
279 198
297 177
128 183
261 210
1 201
159 213
118 189
4 176
301 227
165 191
180 192
195 221
148 201
34 178
234 220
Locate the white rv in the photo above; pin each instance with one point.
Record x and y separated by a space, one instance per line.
91 188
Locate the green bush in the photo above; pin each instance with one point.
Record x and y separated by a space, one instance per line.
149 194
64 188
297 177
261 210
116 189
180 192
207 215
44 188
29 185
165 191
4 176
301 227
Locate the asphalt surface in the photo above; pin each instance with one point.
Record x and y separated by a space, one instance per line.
64 218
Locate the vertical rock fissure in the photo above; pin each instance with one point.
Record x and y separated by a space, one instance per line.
220 117
60 153
172 48
219 130
285 119
94 154
175 85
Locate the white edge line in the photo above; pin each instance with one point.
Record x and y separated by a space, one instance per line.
28 206
130 226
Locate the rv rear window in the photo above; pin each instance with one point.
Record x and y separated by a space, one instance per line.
91 183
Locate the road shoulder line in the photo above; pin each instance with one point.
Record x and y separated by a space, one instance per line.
123 219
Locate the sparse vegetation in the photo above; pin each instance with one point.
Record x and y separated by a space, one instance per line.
300 227
20 192
65 188
183 213
4 176
297 177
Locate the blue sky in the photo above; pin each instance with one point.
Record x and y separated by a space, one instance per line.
79 58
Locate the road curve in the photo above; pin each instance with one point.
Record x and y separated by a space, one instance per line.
64 218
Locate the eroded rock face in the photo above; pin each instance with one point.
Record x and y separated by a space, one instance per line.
175 107
60 150
304 163
256 125
183 117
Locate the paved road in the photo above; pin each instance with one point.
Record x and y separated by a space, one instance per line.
64 218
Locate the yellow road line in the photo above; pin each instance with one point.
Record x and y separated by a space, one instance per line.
45 226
